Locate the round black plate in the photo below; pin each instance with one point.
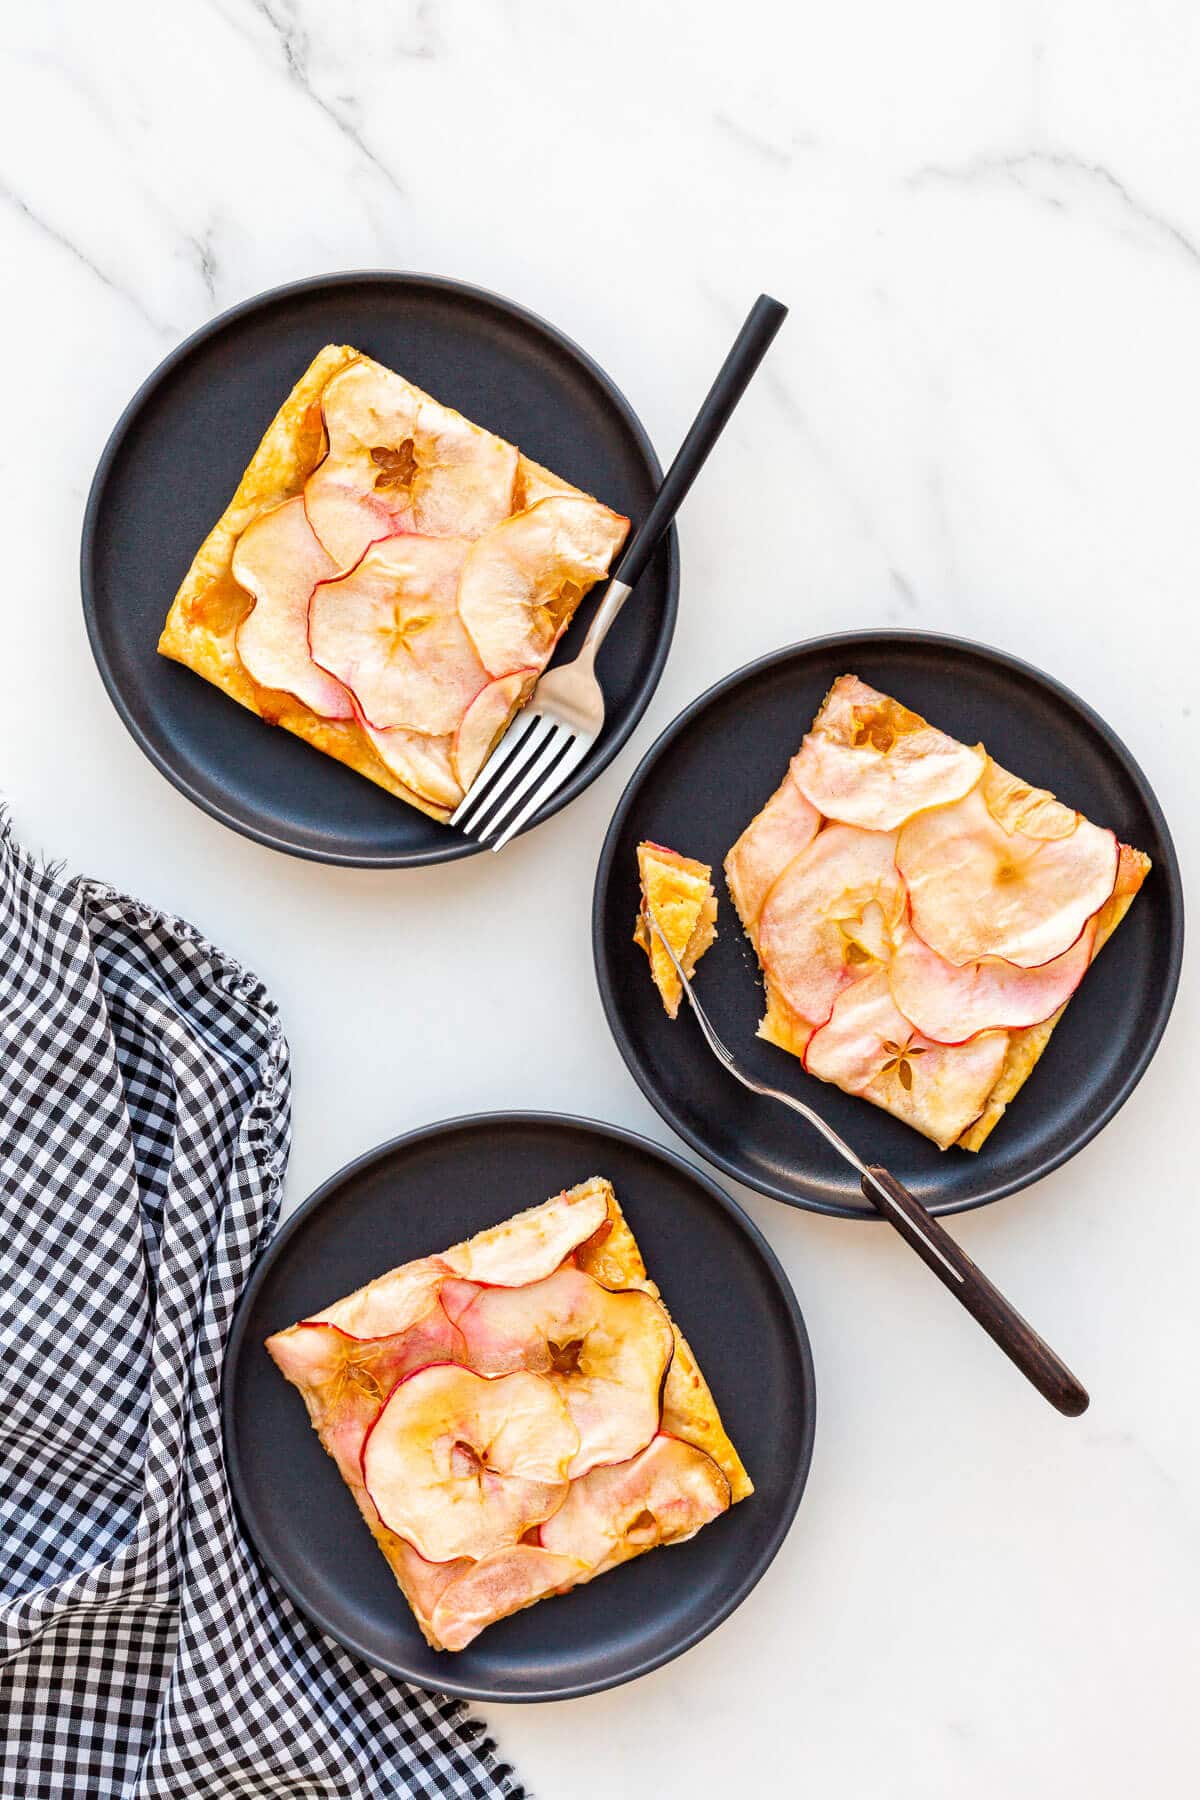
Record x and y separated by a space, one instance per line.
700 785
421 1193
177 455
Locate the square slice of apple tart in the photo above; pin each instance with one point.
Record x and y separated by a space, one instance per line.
389 580
516 1415
921 916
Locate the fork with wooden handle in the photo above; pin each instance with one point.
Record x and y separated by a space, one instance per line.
556 729
920 1231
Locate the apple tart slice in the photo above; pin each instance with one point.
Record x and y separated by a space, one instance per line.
921 916
679 891
515 1415
389 580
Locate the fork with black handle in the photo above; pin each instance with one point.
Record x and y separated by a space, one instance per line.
556 729
919 1229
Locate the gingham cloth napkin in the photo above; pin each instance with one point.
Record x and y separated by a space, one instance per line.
143 1139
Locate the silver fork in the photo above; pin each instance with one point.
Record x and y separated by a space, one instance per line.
565 716
919 1229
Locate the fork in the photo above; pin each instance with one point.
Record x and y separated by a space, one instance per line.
565 716
919 1229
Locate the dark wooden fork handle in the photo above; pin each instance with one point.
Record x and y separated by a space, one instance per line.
954 1268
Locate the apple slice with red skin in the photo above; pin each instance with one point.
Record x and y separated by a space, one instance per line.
423 1582
521 582
400 462
390 1303
484 720
949 1004
787 824
977 890
465 476
422 764
531 1246
353 496
606 1352
461 1465
497 1586
867 1047
346 1379
661 1496
829 916
389 631
279 561
870 761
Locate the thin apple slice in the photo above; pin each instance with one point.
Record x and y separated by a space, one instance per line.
423 764
497 1586
390 1303
423 1582
663 1495
460 1465
521 583
278 560
456 1295
870 761
346 1379
787 824
357 492
978 890
829 916
400 462
531 1246
484 720
1018 807
606 1352
869 1048
389 631
465 476
949 1004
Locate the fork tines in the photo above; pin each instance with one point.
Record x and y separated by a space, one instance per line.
523 770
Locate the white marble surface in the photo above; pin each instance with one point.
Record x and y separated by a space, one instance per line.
982 416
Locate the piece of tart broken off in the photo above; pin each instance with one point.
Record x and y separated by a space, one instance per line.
679 890
389 580
921 916
515 1415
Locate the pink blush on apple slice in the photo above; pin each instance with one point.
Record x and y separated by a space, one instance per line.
389 631
950 1004
279 561
977 890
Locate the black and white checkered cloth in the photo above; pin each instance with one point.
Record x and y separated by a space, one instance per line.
143 1139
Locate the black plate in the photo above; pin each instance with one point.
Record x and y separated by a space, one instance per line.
707 776
177 455
421 1193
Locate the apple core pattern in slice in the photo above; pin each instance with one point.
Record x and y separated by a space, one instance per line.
661 1496
389 631
400 462
867 1047
607 1354
829 916
872 762
460 1465
978 890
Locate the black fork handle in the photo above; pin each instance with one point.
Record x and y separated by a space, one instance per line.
751 345
971 1288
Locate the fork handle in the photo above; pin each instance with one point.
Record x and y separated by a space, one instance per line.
751 345
952 1266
